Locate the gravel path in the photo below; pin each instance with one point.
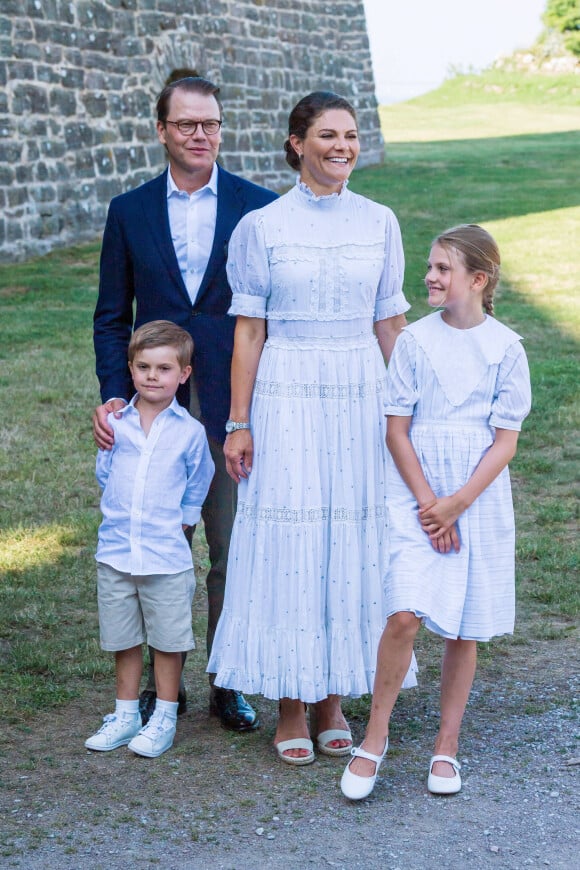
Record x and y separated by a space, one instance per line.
219 800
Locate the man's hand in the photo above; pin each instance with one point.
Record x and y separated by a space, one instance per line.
239 453
102 432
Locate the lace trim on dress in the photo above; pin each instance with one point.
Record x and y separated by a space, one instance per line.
312 251
322 342
303 188
319 317
310 515
319 391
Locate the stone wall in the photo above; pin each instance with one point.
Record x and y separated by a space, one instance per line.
79 80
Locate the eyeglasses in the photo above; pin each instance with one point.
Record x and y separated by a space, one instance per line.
189 128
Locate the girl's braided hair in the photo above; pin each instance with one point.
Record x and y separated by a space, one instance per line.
480 254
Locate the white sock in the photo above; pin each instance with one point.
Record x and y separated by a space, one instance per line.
167 708
127 708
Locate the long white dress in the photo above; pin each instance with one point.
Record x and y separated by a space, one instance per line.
459 385
304 606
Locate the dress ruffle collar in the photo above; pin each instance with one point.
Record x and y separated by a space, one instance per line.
460 358
313 197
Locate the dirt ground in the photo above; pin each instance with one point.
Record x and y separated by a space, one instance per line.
221 800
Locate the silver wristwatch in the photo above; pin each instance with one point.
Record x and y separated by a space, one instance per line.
232 426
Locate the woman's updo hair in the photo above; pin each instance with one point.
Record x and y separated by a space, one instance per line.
305 112
480 254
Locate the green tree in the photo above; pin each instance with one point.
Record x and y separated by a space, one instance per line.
564 16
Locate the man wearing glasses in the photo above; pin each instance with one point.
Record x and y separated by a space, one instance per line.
163 258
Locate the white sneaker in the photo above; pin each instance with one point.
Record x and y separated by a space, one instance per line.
115 731
155 738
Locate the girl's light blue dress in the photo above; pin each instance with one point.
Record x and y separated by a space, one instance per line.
305 593
459 385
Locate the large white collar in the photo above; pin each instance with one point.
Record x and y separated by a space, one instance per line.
460 358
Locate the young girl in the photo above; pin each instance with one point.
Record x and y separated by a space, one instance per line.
458 391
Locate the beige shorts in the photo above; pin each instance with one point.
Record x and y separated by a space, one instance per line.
155 608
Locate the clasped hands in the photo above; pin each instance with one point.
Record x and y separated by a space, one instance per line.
439 520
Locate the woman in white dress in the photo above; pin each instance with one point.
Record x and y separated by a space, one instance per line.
305 606
458 391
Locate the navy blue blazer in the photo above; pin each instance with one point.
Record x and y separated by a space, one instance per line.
140 281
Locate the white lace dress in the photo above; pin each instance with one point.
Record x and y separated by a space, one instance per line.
459 385
305 606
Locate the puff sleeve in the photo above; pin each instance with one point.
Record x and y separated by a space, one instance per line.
390 299
248 267
513 395
401 393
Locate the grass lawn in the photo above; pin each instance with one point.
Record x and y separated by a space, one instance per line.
504 152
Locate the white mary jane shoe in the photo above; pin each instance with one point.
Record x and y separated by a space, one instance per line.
444 784
357 787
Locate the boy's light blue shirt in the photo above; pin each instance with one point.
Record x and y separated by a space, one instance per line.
152 485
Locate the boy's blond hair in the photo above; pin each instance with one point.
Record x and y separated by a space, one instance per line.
162 333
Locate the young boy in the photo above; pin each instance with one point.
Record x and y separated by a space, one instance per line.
154 482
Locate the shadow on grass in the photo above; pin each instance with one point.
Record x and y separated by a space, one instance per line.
432 185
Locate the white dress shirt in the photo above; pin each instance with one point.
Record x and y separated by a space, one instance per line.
152 485
192 218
